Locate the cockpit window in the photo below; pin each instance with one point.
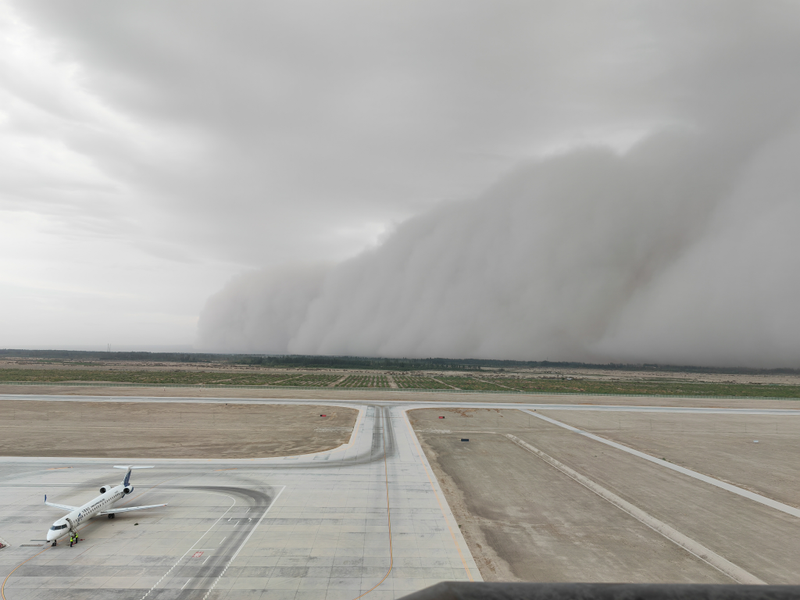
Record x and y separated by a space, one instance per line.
57 527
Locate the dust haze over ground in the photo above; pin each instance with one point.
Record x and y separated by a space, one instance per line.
578 181
679 249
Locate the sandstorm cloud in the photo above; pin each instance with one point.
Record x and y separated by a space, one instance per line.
678 245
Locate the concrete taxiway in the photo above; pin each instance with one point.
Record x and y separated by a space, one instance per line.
368 519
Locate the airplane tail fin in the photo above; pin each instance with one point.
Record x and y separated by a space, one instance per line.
127 479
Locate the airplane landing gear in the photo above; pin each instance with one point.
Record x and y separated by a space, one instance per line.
111 516
55 543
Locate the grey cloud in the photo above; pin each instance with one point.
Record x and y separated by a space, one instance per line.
662 254
202 139
539 267
269 118
679 250
262 310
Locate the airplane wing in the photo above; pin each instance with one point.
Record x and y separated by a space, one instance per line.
61 506
114 511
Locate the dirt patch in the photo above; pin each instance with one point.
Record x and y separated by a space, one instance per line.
525 521
169 430
491 566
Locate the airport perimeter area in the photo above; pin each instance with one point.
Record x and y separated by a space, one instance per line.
393 499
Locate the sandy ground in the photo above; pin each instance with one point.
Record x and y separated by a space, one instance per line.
524 520
758 452
179 430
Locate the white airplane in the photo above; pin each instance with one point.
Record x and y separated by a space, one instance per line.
98 506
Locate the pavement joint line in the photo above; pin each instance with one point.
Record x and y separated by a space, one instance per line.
242 545
694 547
193 545
388 513
784 508
418 448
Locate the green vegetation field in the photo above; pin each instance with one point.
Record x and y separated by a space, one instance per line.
404 381
652 388
145 377
472 383
364 381
419 382
314 380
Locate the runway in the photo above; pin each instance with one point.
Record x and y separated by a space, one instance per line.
367 519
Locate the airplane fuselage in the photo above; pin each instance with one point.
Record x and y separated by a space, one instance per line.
101 505
83 513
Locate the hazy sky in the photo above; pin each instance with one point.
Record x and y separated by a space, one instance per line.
561 180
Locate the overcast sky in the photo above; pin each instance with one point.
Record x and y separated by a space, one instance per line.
561 180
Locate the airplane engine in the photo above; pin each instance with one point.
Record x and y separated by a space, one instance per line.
128 489
104 489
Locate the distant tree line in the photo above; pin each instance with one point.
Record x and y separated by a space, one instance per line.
89 355
361 362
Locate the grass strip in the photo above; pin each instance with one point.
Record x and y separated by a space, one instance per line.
379 381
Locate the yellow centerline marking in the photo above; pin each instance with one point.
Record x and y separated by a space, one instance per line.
388 504
388 515
3 587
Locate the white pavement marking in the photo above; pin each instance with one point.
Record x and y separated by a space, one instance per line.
384 428
785 508
192 547
242 545
707 555
360 404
